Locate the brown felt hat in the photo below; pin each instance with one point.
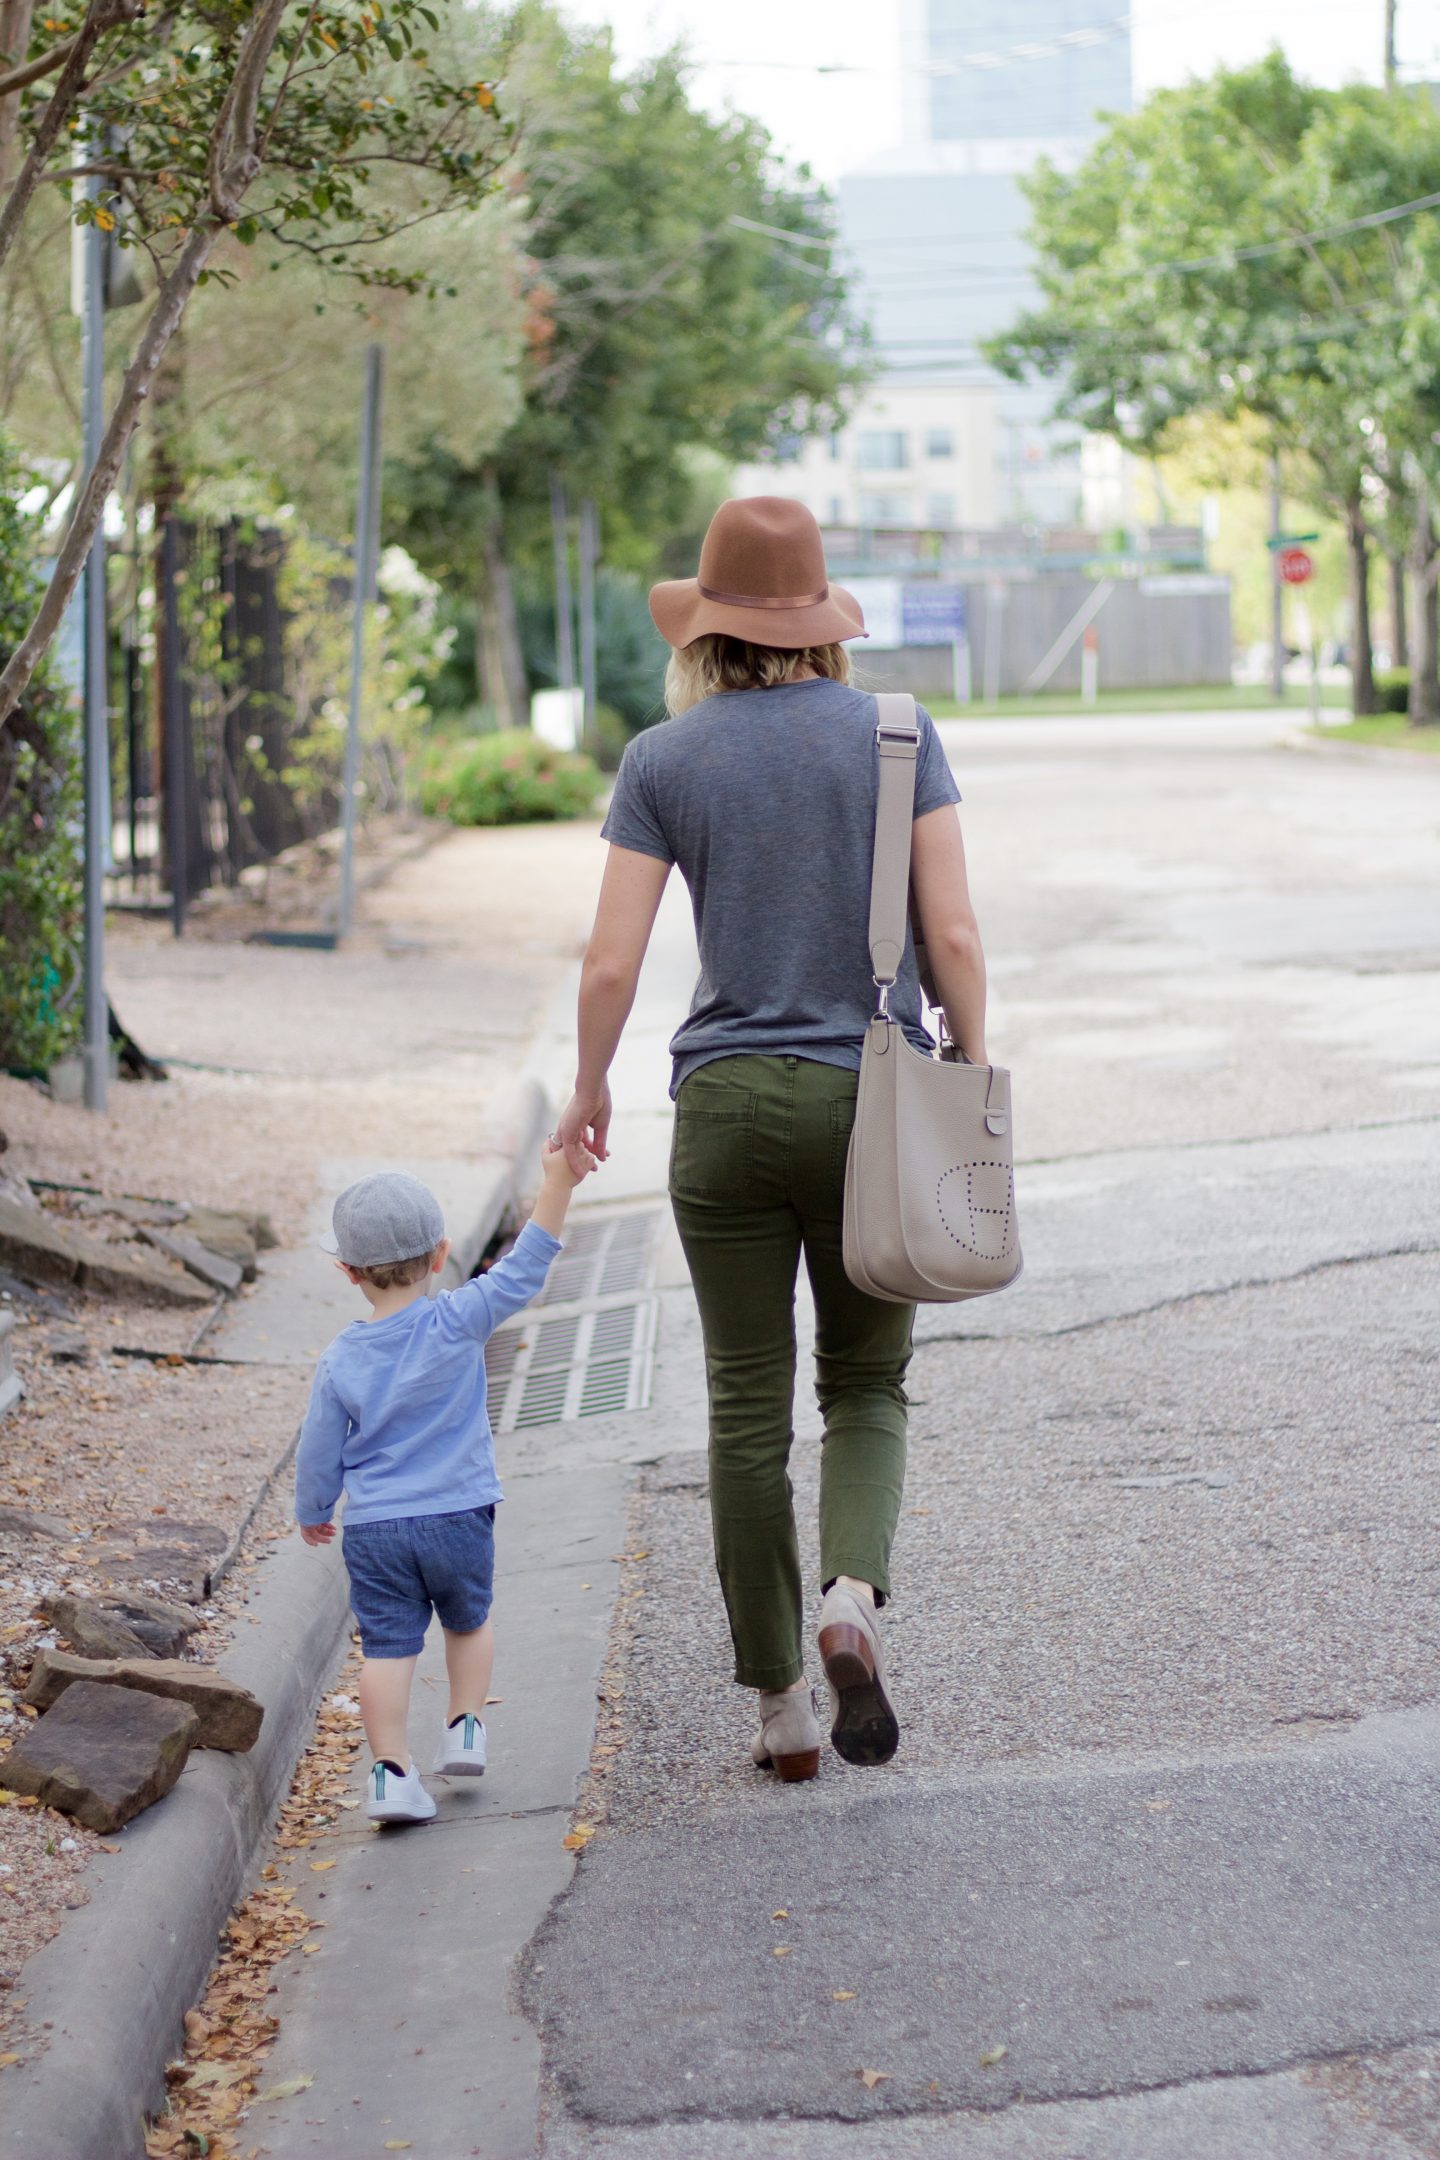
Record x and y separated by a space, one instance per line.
762 578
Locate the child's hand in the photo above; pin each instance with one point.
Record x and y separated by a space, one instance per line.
317 1533
555 1166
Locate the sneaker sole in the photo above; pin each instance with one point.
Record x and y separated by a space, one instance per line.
462 1769
866 1730
386 1815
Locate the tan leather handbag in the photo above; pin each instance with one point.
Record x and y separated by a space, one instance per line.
930 1180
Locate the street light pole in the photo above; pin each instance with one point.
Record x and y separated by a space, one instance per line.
1391 7
97 723
1277 590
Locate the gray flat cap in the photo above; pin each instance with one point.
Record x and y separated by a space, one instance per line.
382 1218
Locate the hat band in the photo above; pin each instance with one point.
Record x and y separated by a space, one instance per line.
736 599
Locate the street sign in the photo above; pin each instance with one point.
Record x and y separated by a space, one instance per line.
932 614
880 604
1296 565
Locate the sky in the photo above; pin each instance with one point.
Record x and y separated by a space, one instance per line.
766 56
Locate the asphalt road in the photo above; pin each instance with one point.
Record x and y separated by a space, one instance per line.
1154 1874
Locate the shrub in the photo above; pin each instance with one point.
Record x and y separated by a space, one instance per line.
40 896
1392 688
509 778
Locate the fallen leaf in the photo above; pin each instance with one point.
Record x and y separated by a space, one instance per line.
397 2144
109 1848
781 1912
842 1995
781 1950
7 2059
213 2073
309 1949
1157 1807
580 1836
992 2056
871 2078
493 1699
286 2089
318 1867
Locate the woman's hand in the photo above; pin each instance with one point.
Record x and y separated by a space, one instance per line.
584 1128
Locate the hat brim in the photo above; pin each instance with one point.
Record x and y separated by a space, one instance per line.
681 613
329 1242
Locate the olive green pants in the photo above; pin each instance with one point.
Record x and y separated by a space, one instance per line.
757 1176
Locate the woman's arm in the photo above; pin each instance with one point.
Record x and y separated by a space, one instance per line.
952 936
629 902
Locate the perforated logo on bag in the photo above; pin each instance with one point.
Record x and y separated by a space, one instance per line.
976 1201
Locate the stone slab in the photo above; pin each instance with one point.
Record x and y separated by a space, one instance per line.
1128 1926
103 1754
208 1267
225 1234
160 1549
230 1717
19 1522
93 1629
34 1246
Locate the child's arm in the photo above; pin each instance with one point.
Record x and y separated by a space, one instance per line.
319 1472
510 1285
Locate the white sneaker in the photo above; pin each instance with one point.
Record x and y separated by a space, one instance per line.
461 1752
389 1798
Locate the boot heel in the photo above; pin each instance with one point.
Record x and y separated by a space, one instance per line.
847 1656
796 1769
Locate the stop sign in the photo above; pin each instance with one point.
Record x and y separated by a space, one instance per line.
1296 565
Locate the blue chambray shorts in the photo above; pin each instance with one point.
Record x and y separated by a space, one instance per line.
403 1569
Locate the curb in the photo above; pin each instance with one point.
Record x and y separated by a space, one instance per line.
113 1987
111 1990
1361 753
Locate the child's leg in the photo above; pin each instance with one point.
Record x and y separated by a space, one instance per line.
469 1660
385 1707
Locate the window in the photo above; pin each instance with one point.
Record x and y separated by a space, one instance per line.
884 509
939 442
836 446
786 451
883 450
837 510
940 511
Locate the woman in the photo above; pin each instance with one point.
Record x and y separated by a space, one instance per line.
762 789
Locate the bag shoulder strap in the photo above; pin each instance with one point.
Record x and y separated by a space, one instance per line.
897 739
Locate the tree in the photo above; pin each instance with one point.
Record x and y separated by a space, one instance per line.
1229 248
325 129
682 295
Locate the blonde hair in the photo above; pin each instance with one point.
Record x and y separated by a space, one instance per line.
397 1274
715 662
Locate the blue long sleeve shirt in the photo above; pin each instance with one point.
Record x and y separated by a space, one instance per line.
397 1418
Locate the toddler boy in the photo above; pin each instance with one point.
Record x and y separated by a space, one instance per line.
397 1420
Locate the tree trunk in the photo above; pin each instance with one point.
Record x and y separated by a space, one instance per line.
15 20
1399 638
1425 626
1362 662
499 661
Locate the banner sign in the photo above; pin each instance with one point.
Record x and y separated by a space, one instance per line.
933 614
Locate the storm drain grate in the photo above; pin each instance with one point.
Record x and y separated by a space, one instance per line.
582 1365
612 1257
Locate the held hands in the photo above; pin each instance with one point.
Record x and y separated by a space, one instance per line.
317 1533
584 1130
557 1164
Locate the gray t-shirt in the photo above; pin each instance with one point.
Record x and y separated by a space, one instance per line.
766 800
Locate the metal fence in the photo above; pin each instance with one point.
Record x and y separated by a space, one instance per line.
1151 633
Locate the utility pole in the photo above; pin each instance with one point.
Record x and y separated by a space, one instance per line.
589 557
564 605
1277 590
367 539
1391 8
97 702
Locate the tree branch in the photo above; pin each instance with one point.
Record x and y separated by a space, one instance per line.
234 158
100 17
21 78
84 521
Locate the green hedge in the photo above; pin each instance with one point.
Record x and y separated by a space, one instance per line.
1392 687
40 895
509 778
